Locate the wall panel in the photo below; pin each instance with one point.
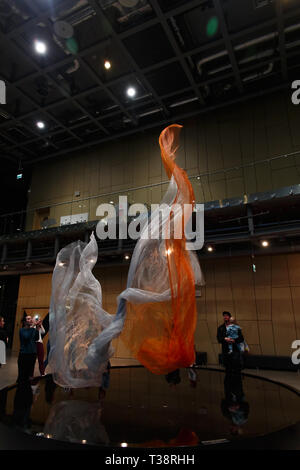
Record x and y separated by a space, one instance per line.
266 304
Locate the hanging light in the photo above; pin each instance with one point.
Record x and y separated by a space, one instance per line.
40 125
40 47
131 92
107 64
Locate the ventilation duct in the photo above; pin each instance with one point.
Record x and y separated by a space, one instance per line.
245 45
126 10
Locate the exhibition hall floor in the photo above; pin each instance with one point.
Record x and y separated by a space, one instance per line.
141 410
9 372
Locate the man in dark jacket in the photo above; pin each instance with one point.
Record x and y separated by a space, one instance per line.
27 354
232 362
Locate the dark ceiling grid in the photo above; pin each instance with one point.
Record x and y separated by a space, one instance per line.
140 72
93 75
19 124
39 71
105 42
43 109
62 90
9 139
71 98
35 104
228 44
281 41
134 65
104 87
115 113
179 56
163 122
15 120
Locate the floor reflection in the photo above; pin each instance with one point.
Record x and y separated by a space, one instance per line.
140 409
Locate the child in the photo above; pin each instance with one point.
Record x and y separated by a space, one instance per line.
232 331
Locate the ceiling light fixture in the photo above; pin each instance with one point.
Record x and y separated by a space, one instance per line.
265 243
40 125
131 92
107 64
40 47
210 249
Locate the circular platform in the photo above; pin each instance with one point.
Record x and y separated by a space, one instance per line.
142 410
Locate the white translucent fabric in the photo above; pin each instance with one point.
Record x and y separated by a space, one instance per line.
76 421
142 287
148 277
77 317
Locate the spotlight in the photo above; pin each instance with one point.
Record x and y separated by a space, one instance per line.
107 64
40 47
40 125
210 248
127 257
124 444
131 92
265 243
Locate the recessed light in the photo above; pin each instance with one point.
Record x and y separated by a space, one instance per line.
265 243
127 257
40 125
210 248
131 92
107 64
40 47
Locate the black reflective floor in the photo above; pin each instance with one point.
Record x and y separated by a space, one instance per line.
140 409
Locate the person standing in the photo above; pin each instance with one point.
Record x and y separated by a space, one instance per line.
28 350
232 357
3 342
39 344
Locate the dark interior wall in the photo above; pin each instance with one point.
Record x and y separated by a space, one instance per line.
9 287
